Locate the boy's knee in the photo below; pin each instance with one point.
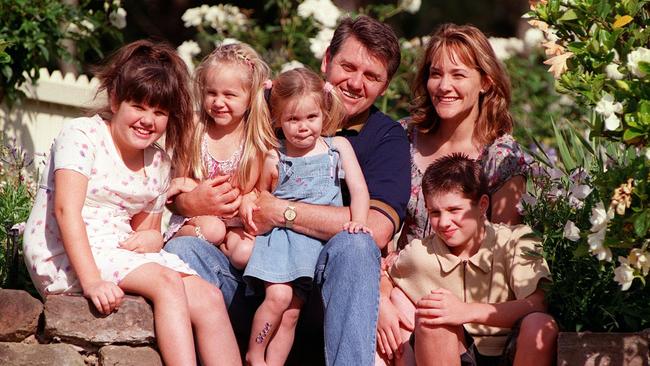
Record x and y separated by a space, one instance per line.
435 333
539 329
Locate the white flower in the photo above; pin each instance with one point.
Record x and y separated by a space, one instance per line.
607 106
612 122
319 44
186 51
118 18
504 48
575 202
411 6
602 254
641 54
640 260
192 17
612 72
20 227
571 231
555 173
578 175
293 64
533 38
647 153
581 191
555 192
323 11
88 25
226 41
624 274
600 218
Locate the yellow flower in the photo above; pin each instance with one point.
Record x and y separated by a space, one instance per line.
558 64
622 197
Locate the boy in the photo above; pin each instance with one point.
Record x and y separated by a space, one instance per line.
472 281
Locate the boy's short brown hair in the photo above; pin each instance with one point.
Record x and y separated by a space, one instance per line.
455 172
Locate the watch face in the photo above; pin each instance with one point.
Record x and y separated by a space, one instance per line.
289 214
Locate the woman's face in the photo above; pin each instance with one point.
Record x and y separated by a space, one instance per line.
454 88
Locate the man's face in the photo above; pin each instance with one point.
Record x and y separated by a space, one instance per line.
359 76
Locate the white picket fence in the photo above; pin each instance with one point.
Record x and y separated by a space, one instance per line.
38 119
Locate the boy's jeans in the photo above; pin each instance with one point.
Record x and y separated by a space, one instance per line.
347 274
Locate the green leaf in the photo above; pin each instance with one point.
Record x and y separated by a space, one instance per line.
632 134
642 223
565 155
644 66
568 15
623 85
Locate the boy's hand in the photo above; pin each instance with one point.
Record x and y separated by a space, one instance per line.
145 241
441 307
354 227
389 338
389 260
106 295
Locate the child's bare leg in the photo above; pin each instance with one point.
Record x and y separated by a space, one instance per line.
406 307
211 228
209 316
438 345
279 347
536 340
164 287
238 247
267 319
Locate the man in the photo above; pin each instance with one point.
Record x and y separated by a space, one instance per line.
362 58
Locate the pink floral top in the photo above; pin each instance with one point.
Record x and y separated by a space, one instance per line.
114 195
501 160
214 168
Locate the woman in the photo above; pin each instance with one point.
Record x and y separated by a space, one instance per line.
462 95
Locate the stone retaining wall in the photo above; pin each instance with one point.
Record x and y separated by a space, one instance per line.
67 330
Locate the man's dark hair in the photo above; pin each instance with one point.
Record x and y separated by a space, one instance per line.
378 38
455 172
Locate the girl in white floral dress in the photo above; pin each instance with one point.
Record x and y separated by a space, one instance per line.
95 225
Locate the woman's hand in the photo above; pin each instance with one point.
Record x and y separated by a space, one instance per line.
389 339
106 295
353 227
441 307
144 241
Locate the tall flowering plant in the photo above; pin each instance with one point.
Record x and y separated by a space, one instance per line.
591 206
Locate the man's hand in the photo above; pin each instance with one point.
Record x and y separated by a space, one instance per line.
144 241
214 196
389 338
269 214
441 307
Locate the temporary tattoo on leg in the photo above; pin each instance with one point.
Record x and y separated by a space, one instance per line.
265 332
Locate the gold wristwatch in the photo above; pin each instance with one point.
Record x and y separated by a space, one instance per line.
289 216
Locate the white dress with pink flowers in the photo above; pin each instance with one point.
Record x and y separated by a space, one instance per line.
114 195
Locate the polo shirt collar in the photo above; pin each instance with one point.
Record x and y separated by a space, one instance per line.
482 259
358 123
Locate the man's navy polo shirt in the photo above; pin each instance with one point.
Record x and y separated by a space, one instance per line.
383 152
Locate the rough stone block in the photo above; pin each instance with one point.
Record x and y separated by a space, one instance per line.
19 313
598 349
128 356
19 354
74 319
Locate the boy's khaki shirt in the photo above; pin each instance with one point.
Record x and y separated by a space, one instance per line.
502 270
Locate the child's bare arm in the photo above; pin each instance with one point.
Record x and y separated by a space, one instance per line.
146 237
267 178
69 196
359 197
442 307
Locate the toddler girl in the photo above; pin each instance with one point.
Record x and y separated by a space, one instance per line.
306 168
95 224
232 135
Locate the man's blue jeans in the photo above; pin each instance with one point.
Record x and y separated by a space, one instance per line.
347 274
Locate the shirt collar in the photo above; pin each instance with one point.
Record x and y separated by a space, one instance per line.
481 259
356 124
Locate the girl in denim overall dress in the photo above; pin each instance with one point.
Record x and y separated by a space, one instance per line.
307 167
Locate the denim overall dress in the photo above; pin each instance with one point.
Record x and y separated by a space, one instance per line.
283 255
